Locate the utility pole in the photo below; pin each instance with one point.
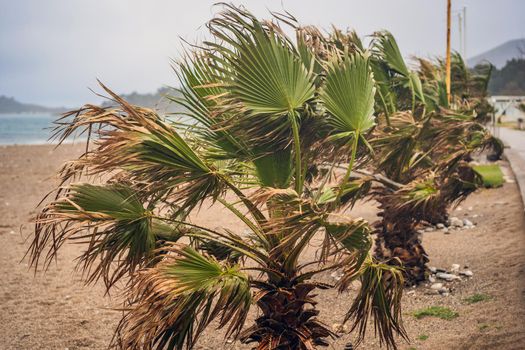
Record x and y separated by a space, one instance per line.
449 6
460 32
464 32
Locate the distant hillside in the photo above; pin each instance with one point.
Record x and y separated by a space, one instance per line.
10 105
155 100
509 80
499 55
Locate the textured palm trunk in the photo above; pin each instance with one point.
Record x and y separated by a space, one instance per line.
288 319
398 241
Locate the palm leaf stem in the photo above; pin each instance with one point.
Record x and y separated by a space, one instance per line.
297 145
247 221
350 165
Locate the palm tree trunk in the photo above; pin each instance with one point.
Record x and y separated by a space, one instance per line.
288 319
398 243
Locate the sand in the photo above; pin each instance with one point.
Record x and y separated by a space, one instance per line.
56 311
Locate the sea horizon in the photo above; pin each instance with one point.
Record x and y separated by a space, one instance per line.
29 129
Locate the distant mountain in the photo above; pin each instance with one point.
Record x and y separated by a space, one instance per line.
10 105
499 55
157 100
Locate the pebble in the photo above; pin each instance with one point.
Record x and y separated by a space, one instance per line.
445 231
12 232
336 275
339 328
446 276
440 226
466 273
432 269
455 268
443 290
455 222
429 229
436 286
467 222
431 279
446 294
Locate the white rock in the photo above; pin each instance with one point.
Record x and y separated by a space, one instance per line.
445 294
440 225
443 290
466 273
12 232
429 229
431 279
470 208
445 230
459 209
455 222
467 222
436 286
446 276
432 269
455 267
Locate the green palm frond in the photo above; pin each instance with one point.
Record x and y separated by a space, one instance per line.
274 169
380 297
349 94
121 233
172 303
386 46
268 76
201 89
353 237
267 82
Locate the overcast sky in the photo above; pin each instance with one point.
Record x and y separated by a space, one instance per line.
52 51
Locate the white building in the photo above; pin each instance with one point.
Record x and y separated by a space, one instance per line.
507 107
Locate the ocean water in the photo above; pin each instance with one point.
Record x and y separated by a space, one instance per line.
26 129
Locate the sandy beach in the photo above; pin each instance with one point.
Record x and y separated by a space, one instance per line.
56 311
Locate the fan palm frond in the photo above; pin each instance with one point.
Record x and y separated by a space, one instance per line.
379 296
172 303
349 95
121 234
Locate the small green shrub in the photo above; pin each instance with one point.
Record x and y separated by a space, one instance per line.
476 298
491 175
422 337
436 311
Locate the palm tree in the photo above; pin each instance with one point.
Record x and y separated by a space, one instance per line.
263 116
422 147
